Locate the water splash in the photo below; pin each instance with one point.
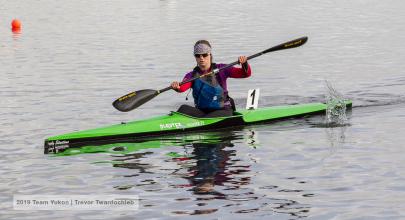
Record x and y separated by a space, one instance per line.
336 107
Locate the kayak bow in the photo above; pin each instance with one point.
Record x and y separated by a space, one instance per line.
176 122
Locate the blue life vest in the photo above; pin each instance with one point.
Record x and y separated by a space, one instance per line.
207 92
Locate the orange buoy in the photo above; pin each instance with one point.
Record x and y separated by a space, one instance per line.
16 25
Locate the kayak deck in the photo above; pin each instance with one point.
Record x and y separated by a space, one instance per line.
176 122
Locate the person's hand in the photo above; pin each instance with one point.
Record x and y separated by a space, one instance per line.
175 85
242 59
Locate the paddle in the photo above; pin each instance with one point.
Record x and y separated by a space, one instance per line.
135 99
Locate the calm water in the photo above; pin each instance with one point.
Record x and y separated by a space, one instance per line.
73 58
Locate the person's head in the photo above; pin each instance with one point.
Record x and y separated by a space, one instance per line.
202 54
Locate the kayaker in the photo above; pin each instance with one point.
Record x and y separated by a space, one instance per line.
210 93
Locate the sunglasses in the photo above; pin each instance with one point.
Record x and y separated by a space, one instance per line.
199 55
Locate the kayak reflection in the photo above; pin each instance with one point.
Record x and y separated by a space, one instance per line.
210 153
209 165
131 145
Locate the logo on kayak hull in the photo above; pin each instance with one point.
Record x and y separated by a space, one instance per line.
178 125
171 126
56 146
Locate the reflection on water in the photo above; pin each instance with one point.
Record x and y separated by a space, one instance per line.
207 169
210 167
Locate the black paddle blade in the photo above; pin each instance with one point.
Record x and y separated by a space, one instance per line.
133 100
290 44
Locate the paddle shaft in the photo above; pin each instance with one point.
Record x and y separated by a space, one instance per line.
291 44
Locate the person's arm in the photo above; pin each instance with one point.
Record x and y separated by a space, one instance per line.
243 72
176 85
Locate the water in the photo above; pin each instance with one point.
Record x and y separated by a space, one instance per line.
72 59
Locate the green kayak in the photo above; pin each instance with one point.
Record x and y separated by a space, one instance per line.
176 122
